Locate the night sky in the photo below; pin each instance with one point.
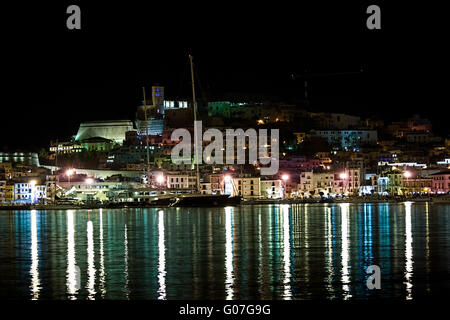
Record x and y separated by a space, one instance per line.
55 78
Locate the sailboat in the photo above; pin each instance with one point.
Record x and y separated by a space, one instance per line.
198 199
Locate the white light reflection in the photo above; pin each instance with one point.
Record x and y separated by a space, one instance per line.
161 258
229 276
34 270
90 260
286 253
102 258
73 276
408 251
306 241
345 279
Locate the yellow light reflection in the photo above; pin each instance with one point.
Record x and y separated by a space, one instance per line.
34 270
229 276
90 260
345 279
161 257
286 253
408 251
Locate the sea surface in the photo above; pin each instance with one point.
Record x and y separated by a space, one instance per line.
301 251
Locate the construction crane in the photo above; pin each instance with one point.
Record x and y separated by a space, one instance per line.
306 76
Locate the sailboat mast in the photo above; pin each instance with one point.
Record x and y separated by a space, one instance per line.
194 108
146 130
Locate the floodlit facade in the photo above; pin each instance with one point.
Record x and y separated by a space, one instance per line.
441 182
272 189
27 158
114 130
175 181
29 193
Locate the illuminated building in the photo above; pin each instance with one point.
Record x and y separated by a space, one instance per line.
114 130
27 158
65 147
348 181
348 139
247 187
441 182
2 191
315 183
176 181
29 193
272 189
9 193
97 144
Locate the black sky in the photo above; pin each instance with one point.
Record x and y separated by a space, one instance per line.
55 78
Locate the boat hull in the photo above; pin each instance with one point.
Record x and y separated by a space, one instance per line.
206 201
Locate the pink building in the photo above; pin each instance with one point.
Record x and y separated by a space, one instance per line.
441 182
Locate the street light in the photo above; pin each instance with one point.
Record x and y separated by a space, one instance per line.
89 181
69 173
344 176
285 178
160 179
407 175
228 180
33 191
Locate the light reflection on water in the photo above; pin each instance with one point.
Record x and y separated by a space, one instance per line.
34 270
248 252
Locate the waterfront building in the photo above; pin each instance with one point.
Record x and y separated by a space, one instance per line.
51 187
2 191
181 181
217 183
244 186
417 185
441 182
272 189
205 188
395 182
348 181
9 193
29 192
316 183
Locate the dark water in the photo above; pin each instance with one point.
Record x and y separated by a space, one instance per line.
248 252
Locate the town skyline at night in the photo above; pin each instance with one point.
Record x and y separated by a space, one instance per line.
226 157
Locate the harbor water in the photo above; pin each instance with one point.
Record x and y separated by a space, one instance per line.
278 251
